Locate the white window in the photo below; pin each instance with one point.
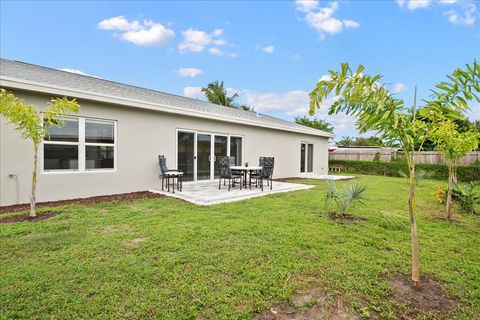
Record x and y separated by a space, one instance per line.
80 145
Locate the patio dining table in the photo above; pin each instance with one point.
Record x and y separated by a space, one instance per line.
245 170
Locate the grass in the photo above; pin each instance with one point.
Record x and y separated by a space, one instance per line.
169 259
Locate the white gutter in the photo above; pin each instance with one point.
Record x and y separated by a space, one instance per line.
21 84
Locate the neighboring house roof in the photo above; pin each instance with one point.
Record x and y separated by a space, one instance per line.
25 76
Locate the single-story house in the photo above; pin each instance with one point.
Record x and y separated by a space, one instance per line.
112 145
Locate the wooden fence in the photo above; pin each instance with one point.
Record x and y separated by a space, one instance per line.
388 155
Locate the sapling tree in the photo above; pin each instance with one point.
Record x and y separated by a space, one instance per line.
377 109
453 145
452 97
33 125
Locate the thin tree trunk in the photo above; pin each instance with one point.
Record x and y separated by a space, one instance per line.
33 200
454 172
413 223
449 191
413 231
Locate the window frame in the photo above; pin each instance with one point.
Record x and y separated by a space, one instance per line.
82 148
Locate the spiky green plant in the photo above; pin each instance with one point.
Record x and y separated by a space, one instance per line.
344 196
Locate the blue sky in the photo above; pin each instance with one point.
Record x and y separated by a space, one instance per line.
272 53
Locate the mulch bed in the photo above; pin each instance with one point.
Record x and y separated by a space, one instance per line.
24 217
91 200
429 296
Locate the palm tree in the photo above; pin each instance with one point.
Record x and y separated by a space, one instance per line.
217 94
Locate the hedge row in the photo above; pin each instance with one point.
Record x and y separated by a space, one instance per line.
394 169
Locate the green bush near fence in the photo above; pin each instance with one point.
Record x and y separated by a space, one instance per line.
394 169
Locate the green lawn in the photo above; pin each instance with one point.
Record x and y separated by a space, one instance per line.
169 259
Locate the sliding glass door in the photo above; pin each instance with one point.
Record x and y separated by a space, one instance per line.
186 154
220 150
236 149
306 157
310 157
198 152
204 151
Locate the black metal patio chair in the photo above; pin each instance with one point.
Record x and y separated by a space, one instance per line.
227 174
232 162
170 174
266 174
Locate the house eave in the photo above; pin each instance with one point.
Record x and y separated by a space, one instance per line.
21 84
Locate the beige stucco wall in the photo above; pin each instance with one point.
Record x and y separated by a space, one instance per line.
141 136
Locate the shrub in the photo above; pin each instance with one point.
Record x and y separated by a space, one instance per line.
440 195
394 169
467 197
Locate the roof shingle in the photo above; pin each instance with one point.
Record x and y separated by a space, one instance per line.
58 78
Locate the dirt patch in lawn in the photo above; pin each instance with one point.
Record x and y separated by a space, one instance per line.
115 228
91 200
135 242
428 297
311 304
345 218
20 218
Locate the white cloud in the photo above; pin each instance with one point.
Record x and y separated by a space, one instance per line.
306 5
215 51
76 71
325 77
414 4
197 41
217 32
286 105
188 72
297 103
268 49
351 24
399 88
144 33
462 12
465 14
291 102
193 92
118 23
323 20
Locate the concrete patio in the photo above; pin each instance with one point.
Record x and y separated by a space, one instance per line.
207 193
325 177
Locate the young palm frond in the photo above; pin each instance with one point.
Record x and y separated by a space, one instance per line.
420 174
392 220
343 196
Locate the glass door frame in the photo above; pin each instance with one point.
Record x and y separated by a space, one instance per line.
212 149
306 156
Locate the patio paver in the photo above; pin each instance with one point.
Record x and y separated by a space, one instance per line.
207 193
